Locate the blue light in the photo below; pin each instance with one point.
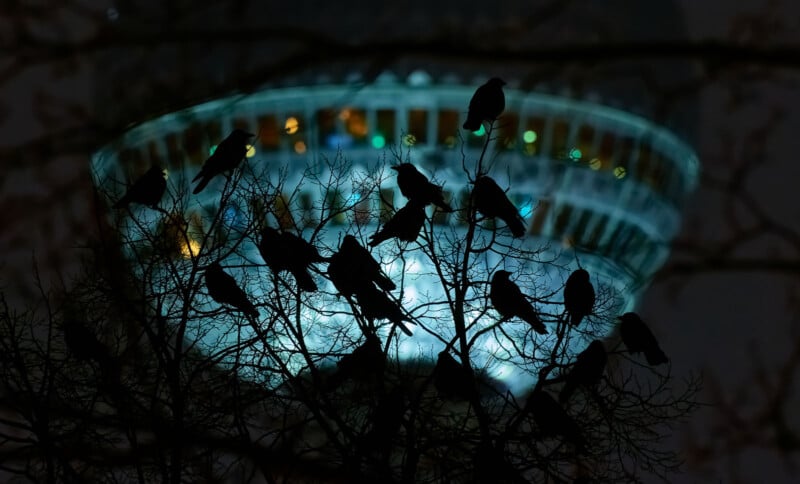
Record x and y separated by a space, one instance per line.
480 131
526 210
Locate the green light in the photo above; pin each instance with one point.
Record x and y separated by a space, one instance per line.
212 150
378 141
480 132
620 172
529 136
575 154
595 164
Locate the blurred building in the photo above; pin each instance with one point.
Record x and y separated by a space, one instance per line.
597 169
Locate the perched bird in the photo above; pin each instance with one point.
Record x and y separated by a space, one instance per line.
83 343
288 252
587 371
147 189
451 379
491 200
578 296
509 301
638 338
229 153
486 104
552 420
416 187
405 224
223 289
376 304
365 362
353 267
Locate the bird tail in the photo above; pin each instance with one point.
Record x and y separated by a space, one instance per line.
377 238
385 283
516 226
199 188
655 356
304 281
472 123
536 324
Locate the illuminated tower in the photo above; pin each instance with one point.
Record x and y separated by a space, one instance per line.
595 184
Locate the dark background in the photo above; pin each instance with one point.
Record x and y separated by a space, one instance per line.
726 304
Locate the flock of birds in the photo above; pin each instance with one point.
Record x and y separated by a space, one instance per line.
356 274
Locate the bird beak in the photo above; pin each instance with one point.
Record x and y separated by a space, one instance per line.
249 135
394 167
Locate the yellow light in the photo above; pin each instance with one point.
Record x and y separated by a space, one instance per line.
620 172
344 115
191 249
251 151
300 147
409 140
595 164
292 125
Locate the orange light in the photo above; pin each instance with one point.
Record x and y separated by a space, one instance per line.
300 147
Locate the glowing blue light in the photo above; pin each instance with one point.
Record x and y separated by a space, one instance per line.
526 210
575 154
212 150
480 131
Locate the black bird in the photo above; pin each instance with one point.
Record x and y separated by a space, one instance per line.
353 267
416 187
587 371
365 362
552 420
229 153
508 300
578 296
405 224
376 304
491 200
486 104
288 252
83 343
147 189
451 379
638 338
223 289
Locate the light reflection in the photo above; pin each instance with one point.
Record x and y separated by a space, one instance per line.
595 164
529 136
189 248
620 172
292 125
300 147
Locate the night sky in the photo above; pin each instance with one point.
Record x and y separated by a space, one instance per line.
717 321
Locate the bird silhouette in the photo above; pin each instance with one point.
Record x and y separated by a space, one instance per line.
416 187
288 252
491 201
451 379
638 338
552 420
508 300
587 371
365 362
147 189
223 289
405 224
83 343
486 104
226 157
353 267
375 304
578 296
